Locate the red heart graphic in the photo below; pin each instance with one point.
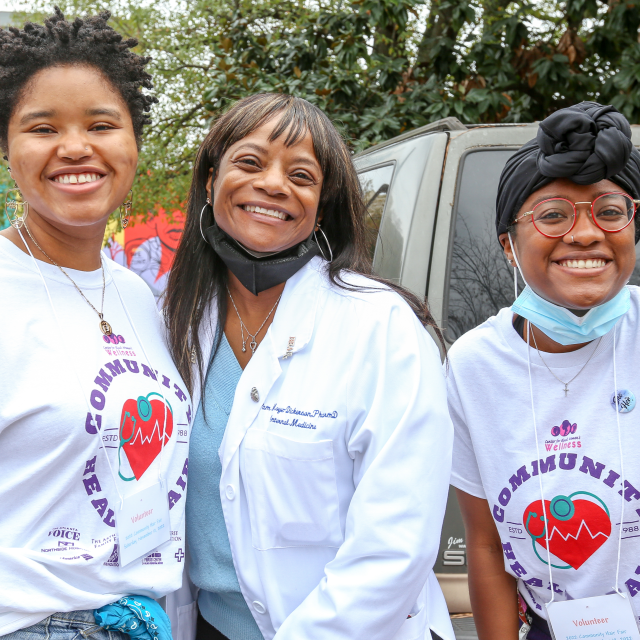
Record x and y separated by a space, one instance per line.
141 428
573 540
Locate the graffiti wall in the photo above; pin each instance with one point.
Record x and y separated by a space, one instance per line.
147 248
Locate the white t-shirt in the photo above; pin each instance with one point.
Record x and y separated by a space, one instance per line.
66 391
495 457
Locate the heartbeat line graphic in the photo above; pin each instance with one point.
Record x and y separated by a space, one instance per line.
148 439
569 535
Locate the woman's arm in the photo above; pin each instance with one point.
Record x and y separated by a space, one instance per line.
493 591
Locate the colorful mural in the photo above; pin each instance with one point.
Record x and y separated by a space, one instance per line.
147 248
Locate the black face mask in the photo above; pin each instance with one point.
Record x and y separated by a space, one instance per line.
260 273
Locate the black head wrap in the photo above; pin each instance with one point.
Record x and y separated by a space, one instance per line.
585 143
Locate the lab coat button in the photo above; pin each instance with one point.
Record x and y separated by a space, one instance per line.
255 396
230 491
259 607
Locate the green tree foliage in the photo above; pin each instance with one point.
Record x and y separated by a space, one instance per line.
376 67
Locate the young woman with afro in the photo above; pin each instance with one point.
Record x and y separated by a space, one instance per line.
94 415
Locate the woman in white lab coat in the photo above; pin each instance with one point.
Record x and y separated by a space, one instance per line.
321 447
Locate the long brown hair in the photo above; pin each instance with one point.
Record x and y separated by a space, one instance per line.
198 274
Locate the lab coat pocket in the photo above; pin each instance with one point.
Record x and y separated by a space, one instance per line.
187 622
413 628
291 491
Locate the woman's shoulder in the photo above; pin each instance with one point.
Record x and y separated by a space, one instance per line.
481 340
364 292
634 291
373 306
132 286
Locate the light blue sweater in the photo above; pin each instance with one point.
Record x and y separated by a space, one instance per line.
211 566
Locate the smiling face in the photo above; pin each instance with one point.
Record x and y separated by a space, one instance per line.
582 269
72 147
266 194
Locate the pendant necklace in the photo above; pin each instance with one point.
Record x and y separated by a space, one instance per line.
566 384
105 327
243 327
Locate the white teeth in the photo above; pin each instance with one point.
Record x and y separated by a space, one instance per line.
583 264
76 178
267 212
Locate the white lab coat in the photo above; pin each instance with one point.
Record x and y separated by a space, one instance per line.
335 469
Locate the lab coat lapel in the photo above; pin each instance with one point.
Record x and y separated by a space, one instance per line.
207 334
294 319
293 325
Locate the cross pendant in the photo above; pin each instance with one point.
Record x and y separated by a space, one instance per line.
566 390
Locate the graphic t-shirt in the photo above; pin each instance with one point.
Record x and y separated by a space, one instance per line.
69 396
579 464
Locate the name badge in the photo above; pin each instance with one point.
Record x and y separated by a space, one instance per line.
606 617
143 523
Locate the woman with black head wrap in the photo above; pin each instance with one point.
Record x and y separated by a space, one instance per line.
546 456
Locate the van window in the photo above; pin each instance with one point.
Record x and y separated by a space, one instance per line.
375 185
480 280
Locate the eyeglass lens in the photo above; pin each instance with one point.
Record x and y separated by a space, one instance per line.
611 212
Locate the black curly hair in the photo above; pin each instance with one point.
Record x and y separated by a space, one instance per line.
84 42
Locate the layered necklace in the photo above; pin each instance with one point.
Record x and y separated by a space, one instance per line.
566 384
105 327
253 345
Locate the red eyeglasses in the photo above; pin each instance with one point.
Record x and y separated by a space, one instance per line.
554 218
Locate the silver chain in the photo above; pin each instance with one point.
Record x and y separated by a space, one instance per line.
243 327
48 257
566 384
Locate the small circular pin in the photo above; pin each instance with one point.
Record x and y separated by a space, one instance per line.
255 396
626 400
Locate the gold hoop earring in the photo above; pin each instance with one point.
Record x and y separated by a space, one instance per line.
16 208
125 210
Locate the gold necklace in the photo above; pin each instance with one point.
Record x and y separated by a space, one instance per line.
105 327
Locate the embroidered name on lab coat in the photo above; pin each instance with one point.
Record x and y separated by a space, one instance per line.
295 422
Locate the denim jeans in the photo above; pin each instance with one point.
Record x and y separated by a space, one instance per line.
539 628
74 625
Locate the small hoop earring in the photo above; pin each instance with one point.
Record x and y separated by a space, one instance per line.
572 240
326 242
13 201
126 214
206 204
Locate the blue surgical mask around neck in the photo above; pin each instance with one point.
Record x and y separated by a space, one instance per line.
563 326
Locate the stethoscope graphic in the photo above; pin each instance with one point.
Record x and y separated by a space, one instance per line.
145 410
561 508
